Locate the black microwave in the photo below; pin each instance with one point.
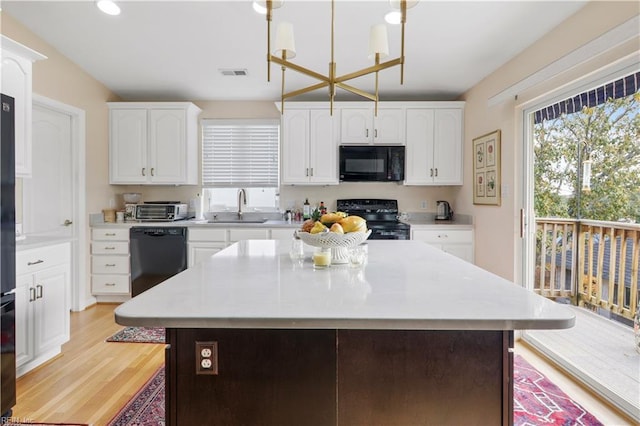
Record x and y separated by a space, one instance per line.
369 163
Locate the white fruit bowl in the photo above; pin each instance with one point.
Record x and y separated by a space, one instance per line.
338 243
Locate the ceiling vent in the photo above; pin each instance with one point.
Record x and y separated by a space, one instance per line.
239 72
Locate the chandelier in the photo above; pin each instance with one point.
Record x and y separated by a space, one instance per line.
378 49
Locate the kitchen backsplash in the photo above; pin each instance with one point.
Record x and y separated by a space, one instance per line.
410 198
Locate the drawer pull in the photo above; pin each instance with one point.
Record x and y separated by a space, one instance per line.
443 236
109 265
110 284
109 248
35 263
109 234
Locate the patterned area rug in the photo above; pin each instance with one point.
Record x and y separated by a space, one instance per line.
20 422
146 408
537 401
139 335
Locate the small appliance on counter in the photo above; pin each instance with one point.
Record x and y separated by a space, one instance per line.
443 211
161 211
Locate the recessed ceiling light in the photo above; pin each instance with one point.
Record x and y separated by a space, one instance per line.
393 17
108 7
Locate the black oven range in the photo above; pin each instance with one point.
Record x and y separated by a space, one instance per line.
381 216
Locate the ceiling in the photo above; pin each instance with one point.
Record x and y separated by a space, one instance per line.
174 50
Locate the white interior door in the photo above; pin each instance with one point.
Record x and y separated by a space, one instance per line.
48 194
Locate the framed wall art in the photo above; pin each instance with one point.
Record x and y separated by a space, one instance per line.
486 169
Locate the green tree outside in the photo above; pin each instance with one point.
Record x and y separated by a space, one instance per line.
608 136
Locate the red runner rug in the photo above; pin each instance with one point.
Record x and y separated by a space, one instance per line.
537 401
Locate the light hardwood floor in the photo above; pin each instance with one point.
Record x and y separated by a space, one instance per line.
92 379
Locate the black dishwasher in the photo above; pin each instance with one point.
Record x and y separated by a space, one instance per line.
157 253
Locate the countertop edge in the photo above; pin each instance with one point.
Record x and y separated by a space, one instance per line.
349 324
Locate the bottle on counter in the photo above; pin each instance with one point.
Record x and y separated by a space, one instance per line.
323 209
306 210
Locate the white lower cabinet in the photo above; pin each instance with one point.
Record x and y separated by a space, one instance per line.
204 243
42 304
239 234
458 242
110 265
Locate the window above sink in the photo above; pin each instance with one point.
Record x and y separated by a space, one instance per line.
226 199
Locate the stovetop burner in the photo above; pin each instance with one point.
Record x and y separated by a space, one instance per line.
381 216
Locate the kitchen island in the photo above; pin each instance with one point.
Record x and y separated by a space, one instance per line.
416 336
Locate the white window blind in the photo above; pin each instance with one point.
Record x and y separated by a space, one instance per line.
240 153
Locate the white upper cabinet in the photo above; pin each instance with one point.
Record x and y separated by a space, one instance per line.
16 71
153 143
309 147
434 145
362 126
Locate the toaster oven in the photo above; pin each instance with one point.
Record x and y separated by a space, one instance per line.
160 212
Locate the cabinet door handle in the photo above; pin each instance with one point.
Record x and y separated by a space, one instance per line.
144 171
367 132
436 172
32 294
152 171
312 171
35 263
431 172
306 172
375 133
39 291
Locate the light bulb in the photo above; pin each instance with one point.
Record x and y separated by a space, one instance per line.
108 7
393 17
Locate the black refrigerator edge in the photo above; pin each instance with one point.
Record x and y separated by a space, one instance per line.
7 258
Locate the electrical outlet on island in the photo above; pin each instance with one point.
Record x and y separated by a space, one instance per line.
423 204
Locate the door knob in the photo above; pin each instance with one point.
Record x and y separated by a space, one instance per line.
67 222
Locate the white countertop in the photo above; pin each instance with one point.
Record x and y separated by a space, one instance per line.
30 242
405 285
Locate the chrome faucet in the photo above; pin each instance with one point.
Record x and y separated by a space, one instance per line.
242 199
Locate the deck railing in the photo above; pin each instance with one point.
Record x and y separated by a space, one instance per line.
593 263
